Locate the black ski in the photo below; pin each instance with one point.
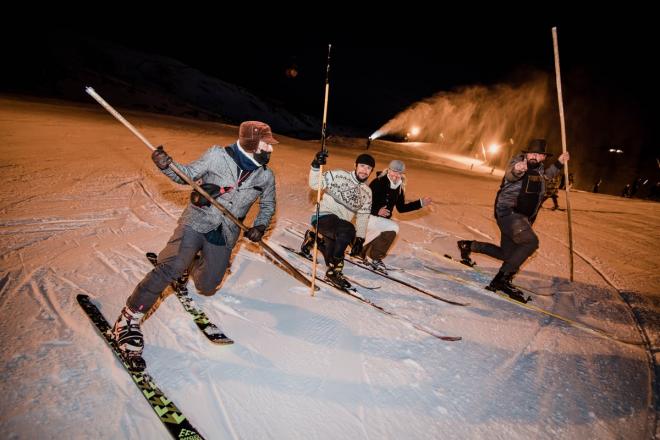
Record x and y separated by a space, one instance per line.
571 322
210 330
353 292
176 423
389 277
473 265
352 281
358 263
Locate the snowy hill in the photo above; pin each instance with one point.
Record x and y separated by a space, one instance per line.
63 64
82 203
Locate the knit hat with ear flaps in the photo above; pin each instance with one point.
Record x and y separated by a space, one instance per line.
365 159
251 132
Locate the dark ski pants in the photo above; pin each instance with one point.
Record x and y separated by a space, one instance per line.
378 247
517 244
177 256
337 235
554 198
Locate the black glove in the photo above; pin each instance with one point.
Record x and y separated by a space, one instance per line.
161 158
319 159
356 248
255 232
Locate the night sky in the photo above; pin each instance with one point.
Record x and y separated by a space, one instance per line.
372 79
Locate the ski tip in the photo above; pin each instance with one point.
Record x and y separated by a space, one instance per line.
82 297
223 341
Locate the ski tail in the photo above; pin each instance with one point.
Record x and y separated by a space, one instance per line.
169 414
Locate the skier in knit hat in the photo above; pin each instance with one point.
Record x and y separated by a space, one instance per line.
236 176
345 196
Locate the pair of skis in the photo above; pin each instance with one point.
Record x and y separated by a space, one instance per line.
571 322
354 293
168 413
476 285
385 274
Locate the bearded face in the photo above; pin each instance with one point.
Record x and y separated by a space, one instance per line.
362 172
534 160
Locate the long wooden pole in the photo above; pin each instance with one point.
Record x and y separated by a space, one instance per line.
318 187
296 274
567 184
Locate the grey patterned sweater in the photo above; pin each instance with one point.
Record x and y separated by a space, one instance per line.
217 166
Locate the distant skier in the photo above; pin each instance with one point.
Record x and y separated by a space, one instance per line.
345 196
236 176
627 192
552 191
387 191
516 206
596 188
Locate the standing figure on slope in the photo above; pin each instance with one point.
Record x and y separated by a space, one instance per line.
552 191
236 176
345 196
516 205
387 192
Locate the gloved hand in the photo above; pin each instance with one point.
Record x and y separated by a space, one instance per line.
161 158
255 232
356 248
319 159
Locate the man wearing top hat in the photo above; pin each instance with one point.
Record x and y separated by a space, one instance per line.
516 205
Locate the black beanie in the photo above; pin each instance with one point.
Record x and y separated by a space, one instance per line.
366 159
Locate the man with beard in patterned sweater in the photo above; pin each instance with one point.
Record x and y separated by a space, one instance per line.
345 196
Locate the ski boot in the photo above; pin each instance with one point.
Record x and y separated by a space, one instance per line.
335 276
465 246
308 244
128 338
502 282
377 265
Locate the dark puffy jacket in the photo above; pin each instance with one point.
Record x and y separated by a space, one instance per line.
383 195
507 196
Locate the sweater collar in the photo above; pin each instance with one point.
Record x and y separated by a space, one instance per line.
244 161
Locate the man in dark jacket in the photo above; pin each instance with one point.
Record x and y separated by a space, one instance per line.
387 191
236 176
516 206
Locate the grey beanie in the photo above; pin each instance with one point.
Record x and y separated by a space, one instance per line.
397 166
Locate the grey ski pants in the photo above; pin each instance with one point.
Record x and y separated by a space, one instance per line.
177 256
